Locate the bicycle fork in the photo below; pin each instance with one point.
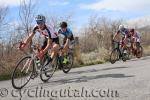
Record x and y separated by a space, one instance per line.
28 64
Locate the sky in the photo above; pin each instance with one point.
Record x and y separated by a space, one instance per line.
134 11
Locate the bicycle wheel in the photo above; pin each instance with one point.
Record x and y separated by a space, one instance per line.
114 56
22 72
47 71
125 54
129 55
139 52
67 67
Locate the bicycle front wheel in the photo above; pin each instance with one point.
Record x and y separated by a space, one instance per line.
22 72
125 54
114 55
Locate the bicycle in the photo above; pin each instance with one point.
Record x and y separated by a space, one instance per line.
28 68
118 53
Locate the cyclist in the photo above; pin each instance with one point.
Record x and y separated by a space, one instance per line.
125 35
68 40
135 39
47 36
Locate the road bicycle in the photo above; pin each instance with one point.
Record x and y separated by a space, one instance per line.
29 67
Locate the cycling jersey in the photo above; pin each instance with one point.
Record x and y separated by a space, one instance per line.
68 33
124 32
42 38
136 36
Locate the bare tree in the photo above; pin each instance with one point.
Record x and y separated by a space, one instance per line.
3 23
56 19
3 13
26 13
98 34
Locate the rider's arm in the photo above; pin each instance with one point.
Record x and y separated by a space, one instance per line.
125 37
29 38
114 37
49 42
49 45
69 36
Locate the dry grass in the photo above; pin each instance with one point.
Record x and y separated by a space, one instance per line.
146 50
98 56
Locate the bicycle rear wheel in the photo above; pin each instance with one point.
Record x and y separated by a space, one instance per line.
139 53
47 71
67 67
22 72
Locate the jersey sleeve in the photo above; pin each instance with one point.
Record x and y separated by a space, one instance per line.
59 31
118 32
35 29
70 34
49 32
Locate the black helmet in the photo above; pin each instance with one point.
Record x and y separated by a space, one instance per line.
63 24
40 18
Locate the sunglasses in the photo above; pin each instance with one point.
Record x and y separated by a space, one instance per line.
40 22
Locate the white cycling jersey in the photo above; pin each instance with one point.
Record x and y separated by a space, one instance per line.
49 31
41 36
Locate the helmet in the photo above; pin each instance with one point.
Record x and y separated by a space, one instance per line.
63 24
131 30
121 27
40 18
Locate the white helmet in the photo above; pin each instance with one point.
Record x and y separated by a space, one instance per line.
40 18
121 27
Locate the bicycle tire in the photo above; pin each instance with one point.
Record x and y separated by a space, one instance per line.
15 72
116 52
140 53
44 76
65 67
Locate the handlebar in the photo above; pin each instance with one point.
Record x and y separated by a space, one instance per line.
33 47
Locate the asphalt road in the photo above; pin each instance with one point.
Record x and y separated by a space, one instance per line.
120 81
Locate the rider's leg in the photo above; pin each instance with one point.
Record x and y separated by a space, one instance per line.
66 47
132 41
55 50
125 42
134 44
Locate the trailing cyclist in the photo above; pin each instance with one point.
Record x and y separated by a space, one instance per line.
135 40
68 40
